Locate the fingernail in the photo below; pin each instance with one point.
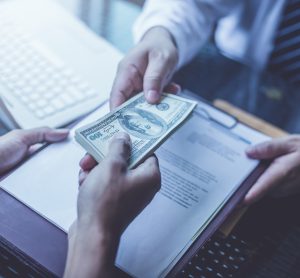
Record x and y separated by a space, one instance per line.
251 197
82 177
153 96
245 200
250 149
63 130
178 88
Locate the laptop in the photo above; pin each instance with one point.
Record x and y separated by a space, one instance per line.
53 69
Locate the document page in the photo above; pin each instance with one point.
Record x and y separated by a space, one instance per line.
202 164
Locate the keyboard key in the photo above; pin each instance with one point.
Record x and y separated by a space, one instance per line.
209 269
40 114
49 95
231 258
211 252
49 110
41 103
67 99
237 250
236 267
24 99
32 106
76 94
216 243
228 245
57 104
222 253
242 258
225 266
199 268
18 92
216 261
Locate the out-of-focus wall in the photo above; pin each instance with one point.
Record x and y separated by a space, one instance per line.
111 19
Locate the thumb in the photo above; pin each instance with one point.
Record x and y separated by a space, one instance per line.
119 150
156 76
43 134
116 160
269 150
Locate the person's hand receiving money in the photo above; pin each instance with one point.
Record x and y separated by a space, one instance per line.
110 197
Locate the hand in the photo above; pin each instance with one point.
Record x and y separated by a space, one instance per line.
110 197
282 178
15 145
149 67
111 185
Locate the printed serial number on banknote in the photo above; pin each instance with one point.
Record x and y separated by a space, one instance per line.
148 126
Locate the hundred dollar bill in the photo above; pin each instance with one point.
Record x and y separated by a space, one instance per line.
147 124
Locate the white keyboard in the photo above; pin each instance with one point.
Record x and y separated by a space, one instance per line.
36 77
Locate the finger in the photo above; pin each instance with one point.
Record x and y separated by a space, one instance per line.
286 189
119 151
128 81
269 149
87 163
173 88
72 231
157 75
82 176
147 174
269 180
41 135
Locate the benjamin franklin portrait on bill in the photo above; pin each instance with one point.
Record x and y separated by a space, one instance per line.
142 124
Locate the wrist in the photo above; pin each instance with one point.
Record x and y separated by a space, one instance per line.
159 33
103 239
97 225
95 246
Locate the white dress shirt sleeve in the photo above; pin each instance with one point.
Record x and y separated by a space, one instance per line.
190 22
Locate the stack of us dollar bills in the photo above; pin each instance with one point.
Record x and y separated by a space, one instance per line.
148 125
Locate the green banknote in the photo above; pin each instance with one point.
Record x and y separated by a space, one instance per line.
147 124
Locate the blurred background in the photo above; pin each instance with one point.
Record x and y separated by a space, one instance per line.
112 19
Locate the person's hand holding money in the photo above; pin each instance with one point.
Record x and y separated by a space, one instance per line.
110 197
148 67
